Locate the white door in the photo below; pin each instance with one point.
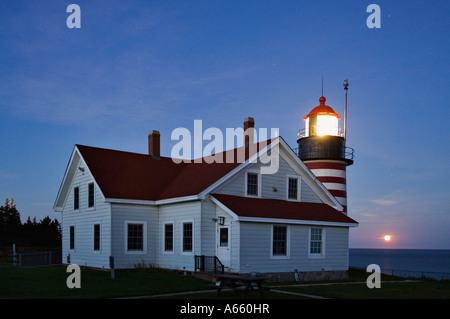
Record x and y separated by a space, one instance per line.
223 245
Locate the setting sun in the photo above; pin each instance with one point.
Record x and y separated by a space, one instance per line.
387 238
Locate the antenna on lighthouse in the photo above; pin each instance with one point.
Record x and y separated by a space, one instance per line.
322 85
345 109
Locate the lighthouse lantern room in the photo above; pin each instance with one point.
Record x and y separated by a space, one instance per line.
322 120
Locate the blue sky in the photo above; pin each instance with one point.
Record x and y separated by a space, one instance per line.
135 66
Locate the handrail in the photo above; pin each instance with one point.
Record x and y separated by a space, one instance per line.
208 263
348 152
303 133
217 261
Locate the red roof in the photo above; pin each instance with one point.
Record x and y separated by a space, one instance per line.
282 209
322 109
128 175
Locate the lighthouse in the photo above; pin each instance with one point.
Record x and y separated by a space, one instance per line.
321 146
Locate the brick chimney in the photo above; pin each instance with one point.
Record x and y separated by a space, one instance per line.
154 144
249 130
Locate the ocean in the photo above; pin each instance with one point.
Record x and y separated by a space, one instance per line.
434 263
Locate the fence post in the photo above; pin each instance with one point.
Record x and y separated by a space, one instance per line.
14 255
111 265
201 263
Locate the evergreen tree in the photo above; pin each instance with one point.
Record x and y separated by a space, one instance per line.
10 225
45 233
49 232
29 232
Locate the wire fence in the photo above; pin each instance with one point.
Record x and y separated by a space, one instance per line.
414 273
45 258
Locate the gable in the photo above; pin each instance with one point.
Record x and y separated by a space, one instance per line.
67 181
77 175
274 186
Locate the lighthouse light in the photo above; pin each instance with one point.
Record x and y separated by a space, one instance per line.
306 133
327 125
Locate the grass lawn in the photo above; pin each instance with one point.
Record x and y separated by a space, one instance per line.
50 282
389 290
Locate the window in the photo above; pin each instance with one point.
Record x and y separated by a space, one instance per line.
135 237
168 237
91 195
187 237
316 242
280 241
96 237
252 184
293 188
72 237
223 240
76 198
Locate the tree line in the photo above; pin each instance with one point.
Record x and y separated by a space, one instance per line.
45 233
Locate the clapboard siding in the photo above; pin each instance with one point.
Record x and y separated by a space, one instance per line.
208 228
269 182
307 195
235 264
234 186
256 246
121 214
178 214
83 220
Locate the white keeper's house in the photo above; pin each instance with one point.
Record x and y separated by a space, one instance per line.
148 209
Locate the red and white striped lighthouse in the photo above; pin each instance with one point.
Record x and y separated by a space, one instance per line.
332 174
321 146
